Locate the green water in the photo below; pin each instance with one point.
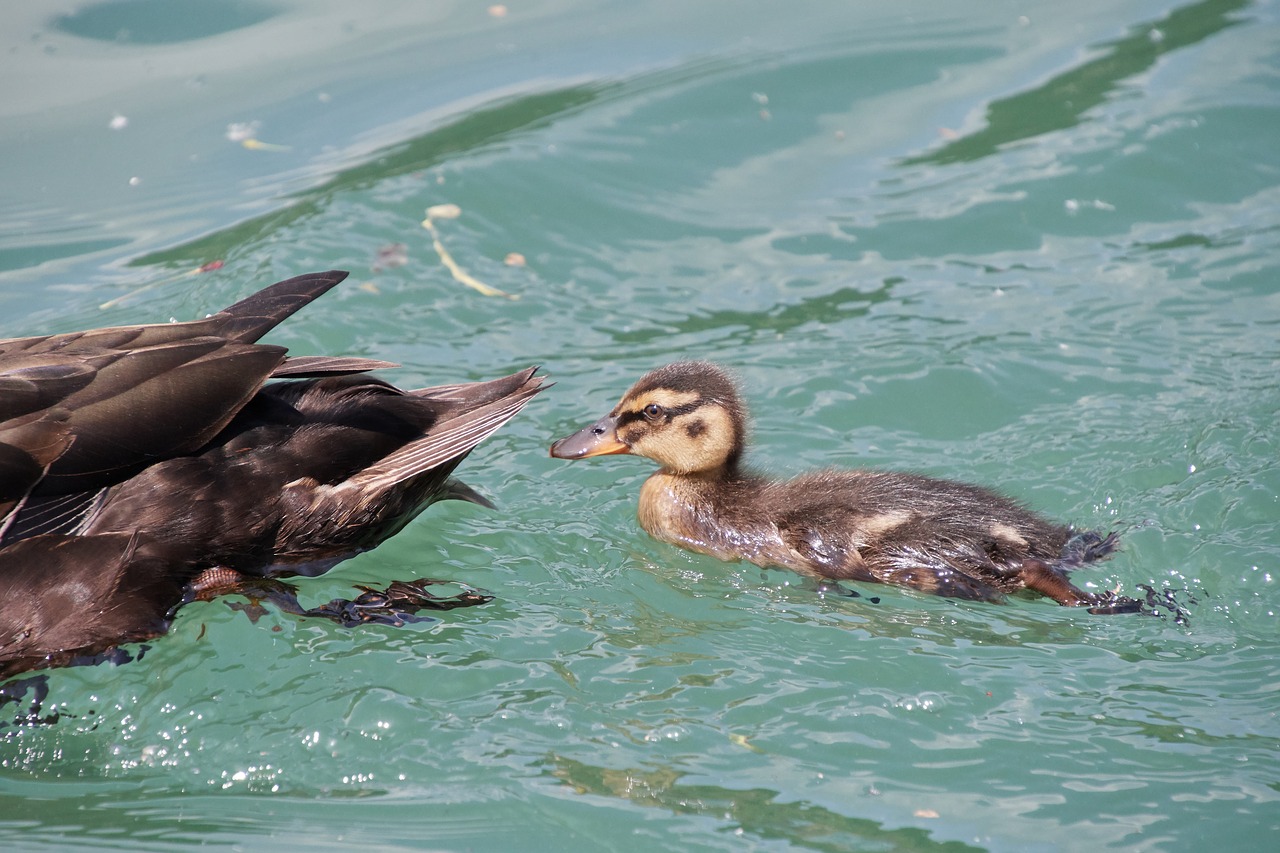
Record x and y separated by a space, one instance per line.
1025 244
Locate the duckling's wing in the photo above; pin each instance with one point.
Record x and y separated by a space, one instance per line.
831 532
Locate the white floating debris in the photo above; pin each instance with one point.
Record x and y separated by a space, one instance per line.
444 211
239 131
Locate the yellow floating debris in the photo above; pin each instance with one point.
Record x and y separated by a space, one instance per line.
452 211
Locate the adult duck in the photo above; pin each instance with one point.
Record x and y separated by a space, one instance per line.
144 466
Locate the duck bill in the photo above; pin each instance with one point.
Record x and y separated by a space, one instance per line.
599 439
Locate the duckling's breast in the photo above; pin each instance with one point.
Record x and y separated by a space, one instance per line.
708 516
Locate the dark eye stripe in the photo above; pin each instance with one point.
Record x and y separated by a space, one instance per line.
673 412
629 417
677 411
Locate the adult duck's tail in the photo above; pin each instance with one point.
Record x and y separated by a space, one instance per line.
328 520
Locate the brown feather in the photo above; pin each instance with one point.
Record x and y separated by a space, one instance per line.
135 459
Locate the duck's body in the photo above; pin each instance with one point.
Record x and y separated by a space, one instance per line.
310 473
933 535
144 466
82 411
64 599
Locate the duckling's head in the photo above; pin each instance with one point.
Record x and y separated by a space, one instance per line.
686 416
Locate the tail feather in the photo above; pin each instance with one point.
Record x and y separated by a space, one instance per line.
316 366
456 490
448 440
472 394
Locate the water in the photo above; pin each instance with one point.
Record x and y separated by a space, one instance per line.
1028 246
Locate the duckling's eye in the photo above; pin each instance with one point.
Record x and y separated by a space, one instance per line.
653 412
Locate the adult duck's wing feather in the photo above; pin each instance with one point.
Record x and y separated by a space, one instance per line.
155 403
468 395
136 394
328 522
317 366
244 322
32 383
62 514
28 446
254 316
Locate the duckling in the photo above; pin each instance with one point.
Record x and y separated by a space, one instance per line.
932 535
143 467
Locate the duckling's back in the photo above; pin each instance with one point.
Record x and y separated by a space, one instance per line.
933 535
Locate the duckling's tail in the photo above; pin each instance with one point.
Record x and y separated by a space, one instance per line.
1086 547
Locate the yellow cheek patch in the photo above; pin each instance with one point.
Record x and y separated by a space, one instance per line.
697 441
